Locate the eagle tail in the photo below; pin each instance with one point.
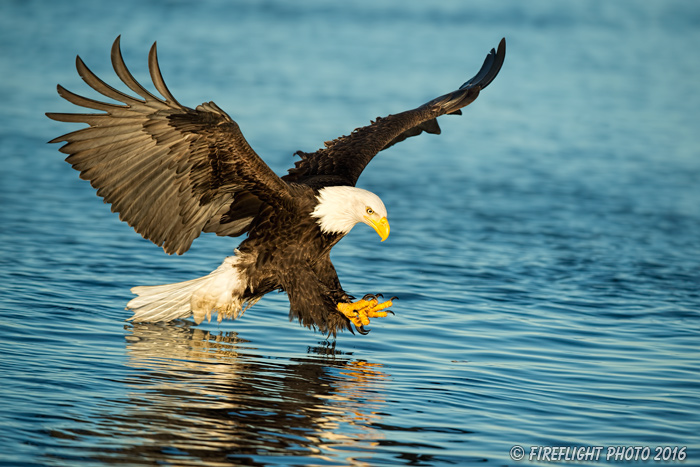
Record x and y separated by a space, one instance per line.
220 291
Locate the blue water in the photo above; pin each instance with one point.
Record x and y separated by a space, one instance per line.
545 247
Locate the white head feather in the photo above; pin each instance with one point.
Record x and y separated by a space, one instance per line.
339 208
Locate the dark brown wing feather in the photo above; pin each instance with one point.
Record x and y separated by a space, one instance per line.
342 161
170 171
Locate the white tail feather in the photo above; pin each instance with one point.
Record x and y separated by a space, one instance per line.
220 291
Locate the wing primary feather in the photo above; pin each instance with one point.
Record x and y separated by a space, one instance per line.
497 64
492 65
483 72
127 128
89 103
125 75
157 77
94 120
100 86
501 53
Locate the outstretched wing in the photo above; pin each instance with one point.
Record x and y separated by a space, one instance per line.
342 160
170 171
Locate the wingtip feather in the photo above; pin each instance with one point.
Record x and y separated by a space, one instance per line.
157 76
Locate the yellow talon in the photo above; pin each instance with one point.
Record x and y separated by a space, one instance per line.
350 309
377 314
380 306
360 312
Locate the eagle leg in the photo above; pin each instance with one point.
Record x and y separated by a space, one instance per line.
360 312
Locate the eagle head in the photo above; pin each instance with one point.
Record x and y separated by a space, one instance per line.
339 208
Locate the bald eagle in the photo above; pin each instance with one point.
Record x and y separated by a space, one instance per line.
172 172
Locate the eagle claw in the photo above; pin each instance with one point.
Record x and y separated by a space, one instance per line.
360 312
371 296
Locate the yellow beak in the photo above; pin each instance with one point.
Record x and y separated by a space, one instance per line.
380 225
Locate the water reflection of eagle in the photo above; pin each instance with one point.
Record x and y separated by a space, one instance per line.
197 397
173 172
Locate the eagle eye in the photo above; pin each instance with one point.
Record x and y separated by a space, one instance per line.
369 211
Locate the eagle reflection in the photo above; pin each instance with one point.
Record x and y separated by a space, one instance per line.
199 397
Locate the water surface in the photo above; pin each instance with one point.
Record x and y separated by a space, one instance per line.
545 247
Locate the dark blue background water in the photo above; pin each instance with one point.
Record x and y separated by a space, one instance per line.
546 247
